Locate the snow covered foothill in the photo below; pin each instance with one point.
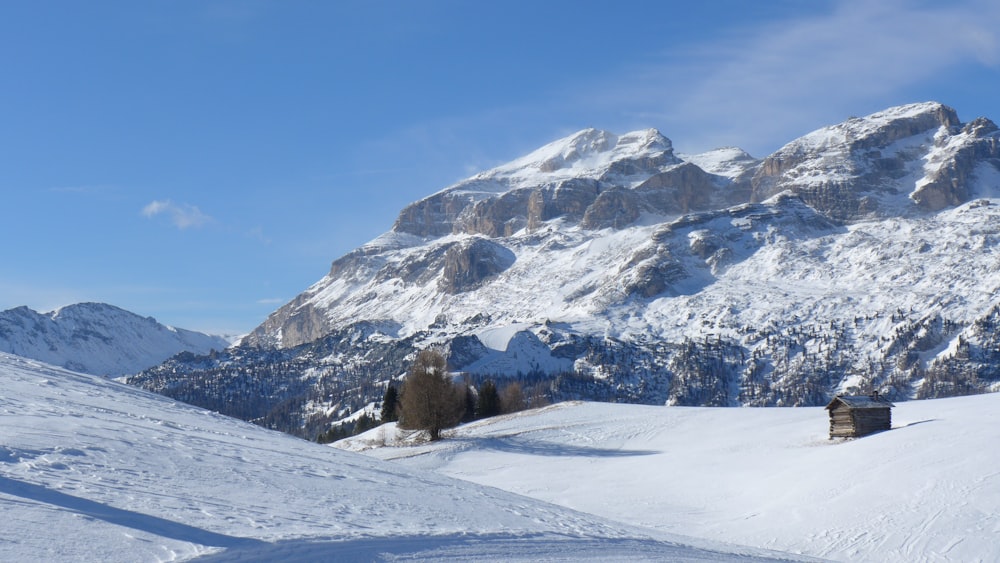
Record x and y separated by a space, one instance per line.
92 470
928 490
98 338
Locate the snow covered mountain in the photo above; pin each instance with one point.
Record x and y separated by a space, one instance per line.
861 256
93 470
97 338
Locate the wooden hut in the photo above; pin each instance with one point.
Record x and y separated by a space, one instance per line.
854 416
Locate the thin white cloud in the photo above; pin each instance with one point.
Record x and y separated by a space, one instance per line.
757 87
272 301
257 233
183 216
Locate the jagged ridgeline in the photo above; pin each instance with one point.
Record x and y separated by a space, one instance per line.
861 256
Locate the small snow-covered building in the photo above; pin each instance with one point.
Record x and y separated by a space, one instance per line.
853 416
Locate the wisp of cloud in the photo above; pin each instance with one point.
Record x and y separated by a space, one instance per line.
183 216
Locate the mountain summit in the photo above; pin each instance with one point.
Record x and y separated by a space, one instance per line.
860 256
594 185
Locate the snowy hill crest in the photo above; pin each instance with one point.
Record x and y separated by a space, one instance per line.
609 267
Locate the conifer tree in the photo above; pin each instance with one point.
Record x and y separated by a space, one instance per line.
470 403
390 404
489 400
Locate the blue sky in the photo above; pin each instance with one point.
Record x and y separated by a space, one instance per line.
204 161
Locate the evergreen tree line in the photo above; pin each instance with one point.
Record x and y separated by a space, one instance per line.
302 392
347 429
430 399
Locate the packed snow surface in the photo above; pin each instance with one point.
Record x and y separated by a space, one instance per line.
928 490
91 470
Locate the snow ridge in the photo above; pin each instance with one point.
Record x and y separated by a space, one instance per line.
97 338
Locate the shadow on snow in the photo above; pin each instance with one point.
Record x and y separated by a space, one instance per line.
135 520
475 547
534 447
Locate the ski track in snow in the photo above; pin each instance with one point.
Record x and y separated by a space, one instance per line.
92 470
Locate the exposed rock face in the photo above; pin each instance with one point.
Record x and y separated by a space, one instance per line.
500 216
949 184
682 189
843 171
569 199
434 216
465 350
615 208
501 202
639 165
654 275
297 321
471 263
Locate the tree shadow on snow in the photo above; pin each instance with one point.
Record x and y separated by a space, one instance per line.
534 447
135 520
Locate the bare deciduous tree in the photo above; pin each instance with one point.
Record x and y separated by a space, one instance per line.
512 398
430 400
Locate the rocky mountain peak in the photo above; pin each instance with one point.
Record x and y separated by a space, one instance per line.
588 152
879 165
482 233
561 178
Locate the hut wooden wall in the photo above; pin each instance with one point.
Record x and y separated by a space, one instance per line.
846 422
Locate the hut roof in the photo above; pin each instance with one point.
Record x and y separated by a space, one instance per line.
861 402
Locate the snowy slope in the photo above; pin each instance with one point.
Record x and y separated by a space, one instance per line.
928 490
730 162
97 338
91 470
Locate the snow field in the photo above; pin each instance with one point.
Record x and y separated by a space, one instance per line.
929 490
92 470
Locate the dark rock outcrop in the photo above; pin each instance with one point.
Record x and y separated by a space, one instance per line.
471 263
569 199
615 208
433 216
